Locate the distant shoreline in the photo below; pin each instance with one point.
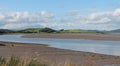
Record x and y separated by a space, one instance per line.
76 36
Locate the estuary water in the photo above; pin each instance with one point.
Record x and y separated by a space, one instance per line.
95 46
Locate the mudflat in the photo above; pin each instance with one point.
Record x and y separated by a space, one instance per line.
76 36
56 57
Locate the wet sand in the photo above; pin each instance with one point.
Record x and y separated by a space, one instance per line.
76 36
57 57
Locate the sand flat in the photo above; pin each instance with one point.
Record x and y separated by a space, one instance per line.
56 56
76 36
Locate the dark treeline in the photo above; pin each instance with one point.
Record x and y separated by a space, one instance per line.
5 31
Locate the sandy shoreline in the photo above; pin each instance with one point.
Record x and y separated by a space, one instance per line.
76 36
56 56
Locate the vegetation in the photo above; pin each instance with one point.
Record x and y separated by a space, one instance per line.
2 45
48 30
29 30
3 31
74 31
17 61
37 30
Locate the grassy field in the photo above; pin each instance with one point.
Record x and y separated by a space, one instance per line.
17 61
22 61
47 30
76 31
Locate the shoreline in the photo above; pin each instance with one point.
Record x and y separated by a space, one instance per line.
107 37
47 53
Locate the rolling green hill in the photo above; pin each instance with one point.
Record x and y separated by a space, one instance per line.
47 30
74 31
37 30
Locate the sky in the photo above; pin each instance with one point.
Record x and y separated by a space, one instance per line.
60 14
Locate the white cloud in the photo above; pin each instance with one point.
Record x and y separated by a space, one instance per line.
117 12
13 26
100 20
25 16
46 14
2 17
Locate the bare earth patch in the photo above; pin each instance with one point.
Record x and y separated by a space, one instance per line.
76 36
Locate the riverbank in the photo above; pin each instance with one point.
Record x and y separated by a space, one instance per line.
76 36
54 56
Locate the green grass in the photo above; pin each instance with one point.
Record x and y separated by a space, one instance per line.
13 61
2 61
47 30
30 30
17 61
76 31
29 61
35 63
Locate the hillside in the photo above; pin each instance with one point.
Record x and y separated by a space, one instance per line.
77 31
3 31
37 30
116 31
47 30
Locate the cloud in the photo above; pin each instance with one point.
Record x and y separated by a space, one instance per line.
13 26
19 20
78 11
117 12
100 20
97 20
25 16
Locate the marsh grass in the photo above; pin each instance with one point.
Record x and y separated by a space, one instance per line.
17 61
2 61
29 61
13 61
35 63
32 61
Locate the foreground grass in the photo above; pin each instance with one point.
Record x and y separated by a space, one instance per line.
17 61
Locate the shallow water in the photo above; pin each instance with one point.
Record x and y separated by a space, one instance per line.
96 46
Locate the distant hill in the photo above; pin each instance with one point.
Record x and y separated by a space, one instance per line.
79 31
48 30
71 31
29 30
3 31
115 31
37 30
